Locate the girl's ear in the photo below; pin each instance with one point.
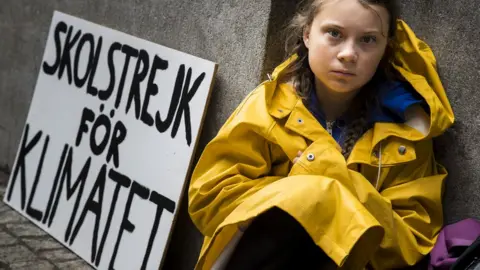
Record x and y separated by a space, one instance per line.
306 36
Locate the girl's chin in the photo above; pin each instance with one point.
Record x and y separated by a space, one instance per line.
342 88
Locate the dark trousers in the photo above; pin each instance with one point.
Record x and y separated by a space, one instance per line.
275 241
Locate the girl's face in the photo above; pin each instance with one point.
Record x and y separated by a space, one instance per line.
346 42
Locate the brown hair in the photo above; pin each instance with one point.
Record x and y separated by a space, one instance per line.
299 73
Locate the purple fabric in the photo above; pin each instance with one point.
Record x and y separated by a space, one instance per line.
460 234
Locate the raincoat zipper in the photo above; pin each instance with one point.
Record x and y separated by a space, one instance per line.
330 127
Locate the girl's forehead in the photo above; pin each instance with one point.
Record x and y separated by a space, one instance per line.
352 14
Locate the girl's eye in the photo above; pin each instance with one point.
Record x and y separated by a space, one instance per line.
369 39
334 33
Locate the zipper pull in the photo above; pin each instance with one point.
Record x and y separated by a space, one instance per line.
330 127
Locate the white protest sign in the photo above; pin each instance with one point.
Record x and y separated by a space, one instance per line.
108 142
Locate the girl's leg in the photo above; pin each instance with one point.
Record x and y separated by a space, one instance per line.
274 241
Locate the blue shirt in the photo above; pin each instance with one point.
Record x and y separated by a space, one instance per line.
394 99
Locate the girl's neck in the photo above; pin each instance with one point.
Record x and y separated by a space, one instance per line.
333 104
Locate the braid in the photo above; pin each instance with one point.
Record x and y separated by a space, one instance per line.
353 132
365 101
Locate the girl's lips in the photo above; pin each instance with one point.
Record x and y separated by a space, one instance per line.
342 73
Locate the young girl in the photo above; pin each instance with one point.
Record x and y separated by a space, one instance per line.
329 163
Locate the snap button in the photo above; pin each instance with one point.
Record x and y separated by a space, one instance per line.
402 150
310 157
280 110
300 120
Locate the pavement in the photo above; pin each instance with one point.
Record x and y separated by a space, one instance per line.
24 246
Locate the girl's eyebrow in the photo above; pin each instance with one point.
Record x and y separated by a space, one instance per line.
368 31
374 31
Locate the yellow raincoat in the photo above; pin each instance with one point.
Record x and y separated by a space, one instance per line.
383 206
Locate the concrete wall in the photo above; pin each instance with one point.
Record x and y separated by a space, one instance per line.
242 36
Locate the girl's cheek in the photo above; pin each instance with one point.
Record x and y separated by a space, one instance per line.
325 41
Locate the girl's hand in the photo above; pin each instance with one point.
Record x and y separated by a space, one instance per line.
299 154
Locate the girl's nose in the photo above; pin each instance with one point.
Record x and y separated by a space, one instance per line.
348 53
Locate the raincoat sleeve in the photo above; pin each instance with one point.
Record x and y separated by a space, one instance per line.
409 208
232 167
